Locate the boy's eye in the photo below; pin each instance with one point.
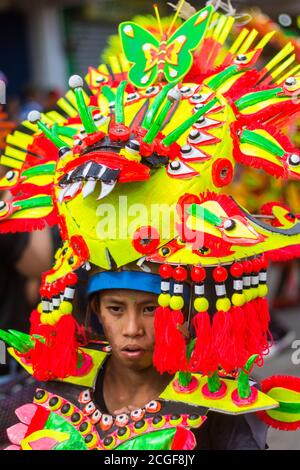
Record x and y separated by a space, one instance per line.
150 309
115 308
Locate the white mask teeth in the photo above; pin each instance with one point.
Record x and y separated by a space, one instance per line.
89 188
106 189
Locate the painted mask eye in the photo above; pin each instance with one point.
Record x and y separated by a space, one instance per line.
4 208
96 416
100 80
241 59
106 422
186 91
85 397
178 169
152 90
229 224
294 159
11 175
132 97
153 406
99 119
138 414
89 408
121 420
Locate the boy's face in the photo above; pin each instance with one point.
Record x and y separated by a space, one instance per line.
127 317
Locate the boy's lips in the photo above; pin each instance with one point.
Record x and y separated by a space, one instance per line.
132 350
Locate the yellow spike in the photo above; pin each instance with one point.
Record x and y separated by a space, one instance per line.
288 48
103 69
247 44
19 139
211 27
11 162
114 63
290 73
66 107
15 153
278 71
239 40
32 127
56 117
219 27
226 30
175 16
158 20
264 41
86 97
70 96
46 119
125 66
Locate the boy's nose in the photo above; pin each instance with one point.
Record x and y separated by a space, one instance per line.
133 325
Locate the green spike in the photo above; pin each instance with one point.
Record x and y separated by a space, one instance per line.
76 83
40 170
214 383
26 339
251 137
257 97
39 201
174 135
202 213
157 102
119 106
172 96
51 136
63 130
108 94
184 378
13 341
244 389
221 77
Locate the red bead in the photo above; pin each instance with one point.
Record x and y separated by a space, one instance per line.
264 262
220 274
236 270
71 279
247 267
146 150
256 265
165 271
180 274
198 274
119 132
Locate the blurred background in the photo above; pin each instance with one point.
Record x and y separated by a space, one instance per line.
42 43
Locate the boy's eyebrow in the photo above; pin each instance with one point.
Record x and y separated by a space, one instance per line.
122 302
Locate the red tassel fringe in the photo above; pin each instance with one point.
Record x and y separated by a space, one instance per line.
57 356
203 359
170 347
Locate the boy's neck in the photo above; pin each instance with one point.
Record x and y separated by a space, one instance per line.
125 387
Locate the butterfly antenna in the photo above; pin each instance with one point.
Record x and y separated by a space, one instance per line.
179 7
158 19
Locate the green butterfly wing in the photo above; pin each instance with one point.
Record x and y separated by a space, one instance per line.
137 44
186 38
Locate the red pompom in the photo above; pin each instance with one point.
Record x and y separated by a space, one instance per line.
247 265
198 274
236 270
165 271
179 274
256 265
220 274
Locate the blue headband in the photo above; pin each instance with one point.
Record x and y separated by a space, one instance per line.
133 280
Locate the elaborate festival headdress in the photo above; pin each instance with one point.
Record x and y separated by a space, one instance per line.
164 124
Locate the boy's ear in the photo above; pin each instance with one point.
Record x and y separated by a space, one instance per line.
95 304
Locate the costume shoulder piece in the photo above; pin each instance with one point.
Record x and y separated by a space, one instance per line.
162 129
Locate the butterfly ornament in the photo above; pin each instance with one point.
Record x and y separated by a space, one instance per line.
168 58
